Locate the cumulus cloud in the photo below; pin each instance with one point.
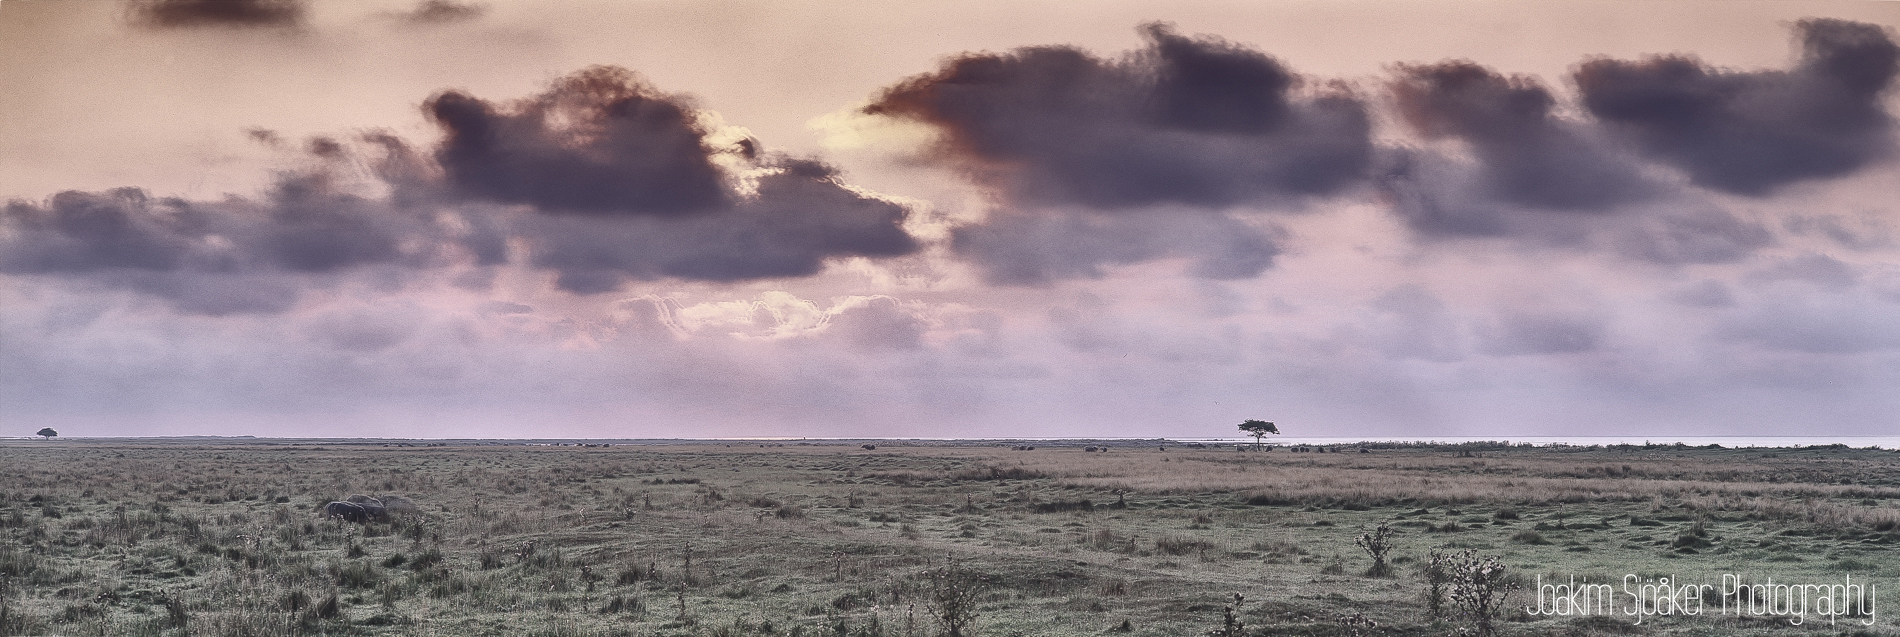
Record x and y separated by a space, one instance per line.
1501 158
1195 121
603 180
624 183
1527 155
598 142
1751 132
220 13
1105 162
800 217
236 255
1440 197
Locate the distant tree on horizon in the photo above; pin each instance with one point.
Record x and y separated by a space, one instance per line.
48 433
1258 429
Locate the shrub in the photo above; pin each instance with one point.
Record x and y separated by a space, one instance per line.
951 593
1476 588
1377 543
1231 626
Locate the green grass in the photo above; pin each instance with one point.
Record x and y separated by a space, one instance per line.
130 538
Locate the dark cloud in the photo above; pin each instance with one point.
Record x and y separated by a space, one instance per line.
1440 196
1527 155
800 217
1034 248
84 231
617 183
1436 196
205 258
1194 121
599 142
211 257
1114 162
220 13
1752 132
313 228
623 184
442 12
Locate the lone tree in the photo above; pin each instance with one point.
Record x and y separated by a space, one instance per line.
1258 429
48 433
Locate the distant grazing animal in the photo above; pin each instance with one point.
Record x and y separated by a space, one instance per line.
371 505
869 447
347 511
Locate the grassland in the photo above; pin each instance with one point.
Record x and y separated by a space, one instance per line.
104 537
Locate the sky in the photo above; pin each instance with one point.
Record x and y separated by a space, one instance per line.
669 218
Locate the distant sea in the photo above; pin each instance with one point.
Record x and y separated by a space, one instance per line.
1858 442
1884 442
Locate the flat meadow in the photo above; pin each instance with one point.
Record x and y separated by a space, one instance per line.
915 538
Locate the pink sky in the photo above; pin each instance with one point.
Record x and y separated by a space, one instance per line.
705 219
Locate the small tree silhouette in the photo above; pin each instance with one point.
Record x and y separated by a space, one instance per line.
1258 429
48 433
